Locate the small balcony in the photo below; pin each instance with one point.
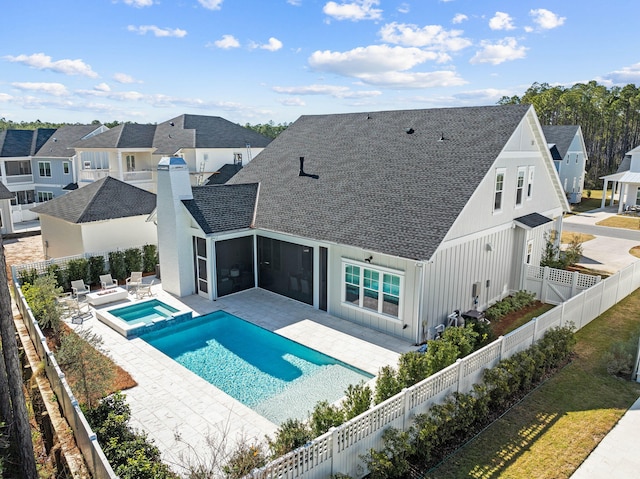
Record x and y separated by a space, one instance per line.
15 179
144 175
93 175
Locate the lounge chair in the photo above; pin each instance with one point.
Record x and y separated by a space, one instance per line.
134 280
107 281
79 288
144 289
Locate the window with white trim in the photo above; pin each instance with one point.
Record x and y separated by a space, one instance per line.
376 289
529 251
131 162
44 196
44 168
66 169
520 185
530 183
497 198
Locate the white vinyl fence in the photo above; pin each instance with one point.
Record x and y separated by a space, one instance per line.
555 286
339 450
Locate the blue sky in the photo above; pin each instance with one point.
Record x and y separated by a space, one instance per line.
273 60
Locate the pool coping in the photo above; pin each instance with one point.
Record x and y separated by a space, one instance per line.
130 331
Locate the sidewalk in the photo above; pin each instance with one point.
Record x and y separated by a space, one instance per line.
616 456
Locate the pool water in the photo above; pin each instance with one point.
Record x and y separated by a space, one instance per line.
145 312
274 376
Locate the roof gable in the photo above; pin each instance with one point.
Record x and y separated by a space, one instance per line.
391 182
101 200
561 136
220 208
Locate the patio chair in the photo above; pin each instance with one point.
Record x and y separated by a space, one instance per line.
108 282
79 288
134 280
81 312
144 289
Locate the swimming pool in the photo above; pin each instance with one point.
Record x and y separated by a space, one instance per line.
148 315
276 377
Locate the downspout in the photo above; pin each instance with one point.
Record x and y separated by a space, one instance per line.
421 330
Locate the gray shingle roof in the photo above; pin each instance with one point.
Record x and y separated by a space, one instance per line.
220 208
223 175
561 136
379 187
59 145
101 200
5 194
533 220
184 131
16 143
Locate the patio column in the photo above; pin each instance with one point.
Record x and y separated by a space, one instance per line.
614 187
604 194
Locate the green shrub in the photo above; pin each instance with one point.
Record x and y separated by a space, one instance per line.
117 265
78 269
41 298
244 459
130 453
149 258
357 400
96 268
27 276
392 462
413 367
324 417
515 302
621 357
291 435
132 260
59 274
464 339
387 384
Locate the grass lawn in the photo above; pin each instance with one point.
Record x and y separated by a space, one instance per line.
552 431
566 237
621 221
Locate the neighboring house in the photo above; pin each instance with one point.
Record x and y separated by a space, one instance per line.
6 226
103 216
130 152
54 171
570 157
16 150
392 220
625 182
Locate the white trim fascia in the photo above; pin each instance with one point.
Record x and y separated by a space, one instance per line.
446 244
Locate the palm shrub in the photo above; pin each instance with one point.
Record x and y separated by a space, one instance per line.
117 265
357 400
149 258
133 260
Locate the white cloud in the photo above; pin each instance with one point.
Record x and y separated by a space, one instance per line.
55 89
124 78
459 18
495 53
355 11
227 42
630 74
371 59
404 8
292 101
5 97
102 87
112 95
443 78
211 4
157 31
545 19
501 21
295 3
331 90
273 45
40 61
431 36
139 3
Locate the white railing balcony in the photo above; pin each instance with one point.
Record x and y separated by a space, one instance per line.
93 175
138 175
12 179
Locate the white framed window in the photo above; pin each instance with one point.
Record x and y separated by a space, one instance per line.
530 183
66 167
44 168
44 196
499 189
522 171
373 288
